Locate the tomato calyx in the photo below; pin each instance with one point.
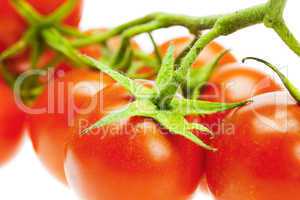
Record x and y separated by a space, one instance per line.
161 102
292 89
38 24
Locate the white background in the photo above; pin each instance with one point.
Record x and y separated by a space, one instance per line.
25 178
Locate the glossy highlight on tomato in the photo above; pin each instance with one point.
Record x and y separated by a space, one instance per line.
62 98
132 159
258 154
234 83
12 121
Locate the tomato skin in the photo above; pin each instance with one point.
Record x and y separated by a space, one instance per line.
234 83
132 159
12 25
231 83
258 155
49 130
210 52
12 121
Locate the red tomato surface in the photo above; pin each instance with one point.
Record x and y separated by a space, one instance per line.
207 55
49 130
132 159
258 152
11 124
12 25
234 83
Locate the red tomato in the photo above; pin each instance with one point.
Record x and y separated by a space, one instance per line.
12 25
205 57
49 130
132 159
233 83
258 152
11 124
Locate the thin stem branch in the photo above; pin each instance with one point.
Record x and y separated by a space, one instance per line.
111 33
156 49
136 30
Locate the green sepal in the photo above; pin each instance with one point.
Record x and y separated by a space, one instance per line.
27 11
171 120
191 106
156 49
36 52
166 73
293 90
126 61
62 12
136 89
132 109
56 41
19 46
198 77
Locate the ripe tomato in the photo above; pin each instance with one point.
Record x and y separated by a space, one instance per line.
258 152
233 83
61 100
12 25
132 159
205 57
11 124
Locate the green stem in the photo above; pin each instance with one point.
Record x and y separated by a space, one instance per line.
70 30
274 19
185 51
111 33
287 36
225 25
136 30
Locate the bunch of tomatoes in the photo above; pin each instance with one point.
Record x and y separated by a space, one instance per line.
258 145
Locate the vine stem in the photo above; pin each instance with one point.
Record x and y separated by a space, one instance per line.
270 13
223 26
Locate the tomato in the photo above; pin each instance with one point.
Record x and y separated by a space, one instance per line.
207 55
258 152
12 25
61 100
132 159
234 83
12 121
